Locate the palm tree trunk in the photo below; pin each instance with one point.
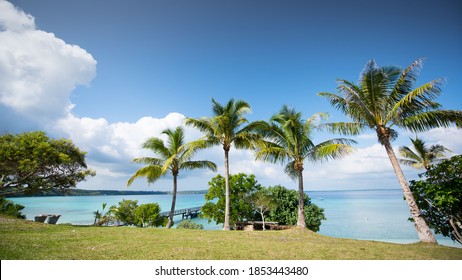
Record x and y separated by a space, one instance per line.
423 230
172 210
227 202
301 202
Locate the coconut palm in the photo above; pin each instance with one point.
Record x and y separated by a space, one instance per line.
175 155
385 98
227 128
423 156
289 140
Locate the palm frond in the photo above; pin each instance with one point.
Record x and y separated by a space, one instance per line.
344 128
431 119
407 79
151 172
331 149
417 100
149 160
289 169
200 164
157 146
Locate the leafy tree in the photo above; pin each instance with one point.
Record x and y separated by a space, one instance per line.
10 208
32 163
147 215
188 224
423 156
290 140
242 189
226 128
440 197
286 208
126 211
175 155
263 202
383 99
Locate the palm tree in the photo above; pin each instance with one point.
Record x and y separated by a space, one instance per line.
226 128
384 98
423 156
289 140
174 156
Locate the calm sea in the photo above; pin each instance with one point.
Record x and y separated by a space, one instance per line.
367 214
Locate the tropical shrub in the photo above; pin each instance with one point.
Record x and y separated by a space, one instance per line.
10 208
189 224
147 215
286 206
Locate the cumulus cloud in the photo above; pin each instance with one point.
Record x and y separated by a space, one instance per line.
38 71
450 137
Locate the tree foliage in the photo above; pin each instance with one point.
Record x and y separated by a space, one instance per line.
440 197
242 189
147 215
126 211
129 213
422 156
32 163
188 224
10 208
281 204
286 206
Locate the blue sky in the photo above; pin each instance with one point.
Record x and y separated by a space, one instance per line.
109 74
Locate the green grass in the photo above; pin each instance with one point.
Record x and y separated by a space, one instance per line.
21 239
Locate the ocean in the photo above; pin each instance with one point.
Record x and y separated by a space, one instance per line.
380 215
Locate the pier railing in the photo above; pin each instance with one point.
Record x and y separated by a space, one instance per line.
186 213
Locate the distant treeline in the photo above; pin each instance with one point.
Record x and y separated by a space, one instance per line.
81 192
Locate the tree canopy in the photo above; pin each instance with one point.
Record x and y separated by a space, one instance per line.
422 156
31 163
242 188
246 197
439 197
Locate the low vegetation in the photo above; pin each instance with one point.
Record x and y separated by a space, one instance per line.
20 239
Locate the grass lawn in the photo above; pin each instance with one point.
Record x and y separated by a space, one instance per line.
20 239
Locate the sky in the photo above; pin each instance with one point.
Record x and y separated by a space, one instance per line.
110 74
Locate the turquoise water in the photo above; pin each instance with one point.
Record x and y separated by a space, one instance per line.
368 215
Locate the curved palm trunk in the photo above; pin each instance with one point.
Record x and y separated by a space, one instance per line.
423 230
301 203
227 202
172 210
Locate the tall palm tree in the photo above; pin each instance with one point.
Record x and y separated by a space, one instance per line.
175 155
226 128
423 156
289 140
385 98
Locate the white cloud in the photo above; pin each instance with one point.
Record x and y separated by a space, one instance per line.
14 19
450 137
38 71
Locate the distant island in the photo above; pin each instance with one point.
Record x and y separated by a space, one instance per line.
82 192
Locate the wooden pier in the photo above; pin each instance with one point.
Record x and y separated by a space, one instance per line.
187 213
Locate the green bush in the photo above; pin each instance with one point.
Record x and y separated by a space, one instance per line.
189 224
10 208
